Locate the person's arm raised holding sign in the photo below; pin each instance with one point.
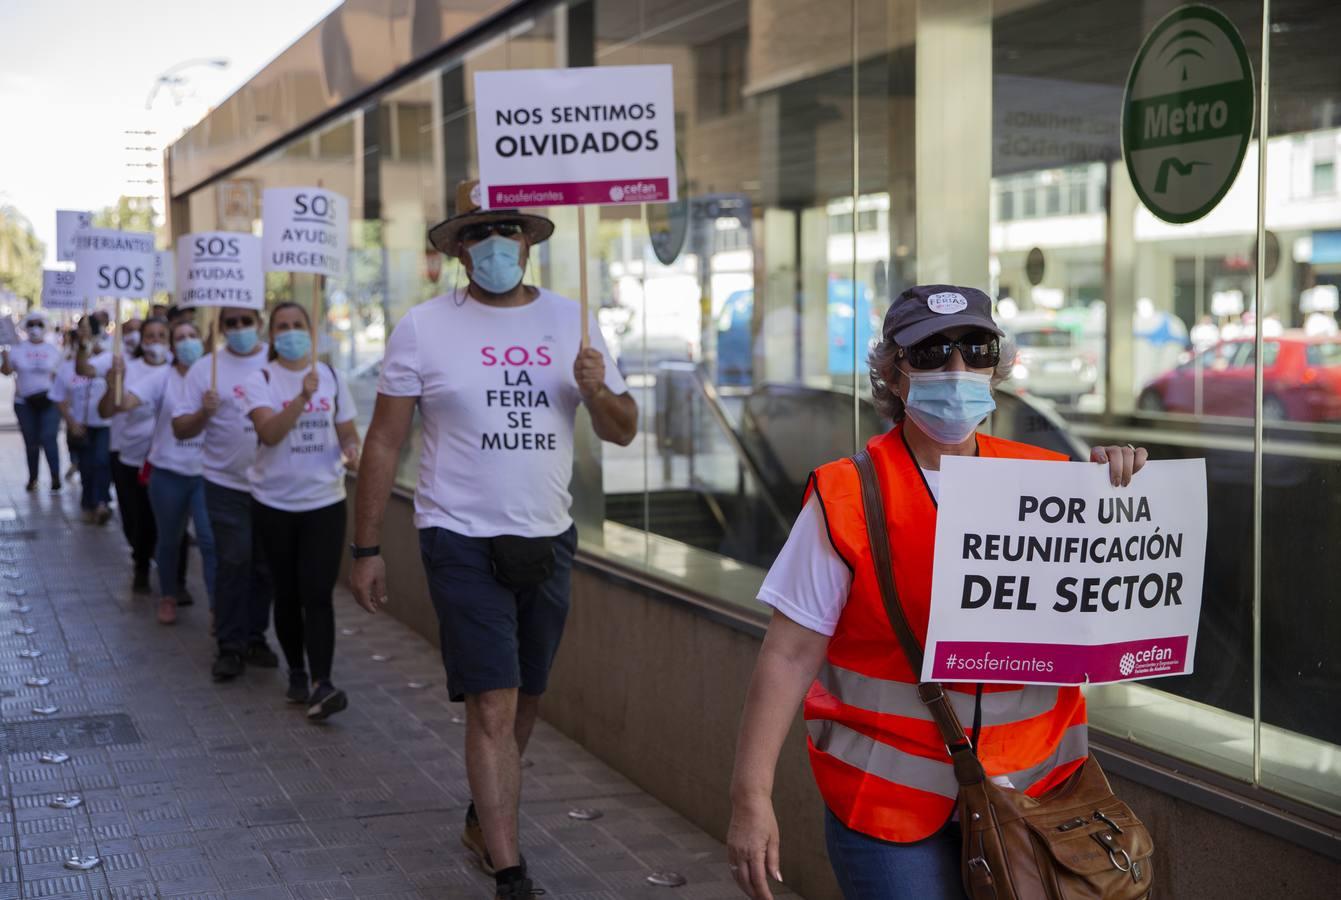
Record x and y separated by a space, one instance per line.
880 762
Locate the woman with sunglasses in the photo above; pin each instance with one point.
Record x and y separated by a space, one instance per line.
879 761
211 407
304 418
175 489
33 364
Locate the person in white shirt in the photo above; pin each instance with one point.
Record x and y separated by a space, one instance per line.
133 429
304 418
77 394
241 581
497 372
175 488
33 365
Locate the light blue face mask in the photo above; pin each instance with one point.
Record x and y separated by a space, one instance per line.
242 341
188 350
496 264
948 406
293 345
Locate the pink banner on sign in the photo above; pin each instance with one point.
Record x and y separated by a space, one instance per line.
1059 663
576 193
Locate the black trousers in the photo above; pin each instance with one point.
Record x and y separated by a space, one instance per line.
303 552
137 518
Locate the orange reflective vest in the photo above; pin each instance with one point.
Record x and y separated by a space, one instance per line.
875 751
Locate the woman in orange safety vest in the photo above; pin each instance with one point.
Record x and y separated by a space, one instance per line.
877 756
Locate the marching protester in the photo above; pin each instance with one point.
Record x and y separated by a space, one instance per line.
492 502
77 390
241 581
34 364
175 489
881 766
73 441
304 420
133 431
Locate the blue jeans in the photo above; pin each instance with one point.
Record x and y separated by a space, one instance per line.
173 498
241 578
95 467
869 868
39 436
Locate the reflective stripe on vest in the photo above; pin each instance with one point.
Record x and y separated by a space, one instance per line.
931 775
896 698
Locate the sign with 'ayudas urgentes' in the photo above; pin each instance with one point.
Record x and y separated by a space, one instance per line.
1047 574
220 268
304 229
561 137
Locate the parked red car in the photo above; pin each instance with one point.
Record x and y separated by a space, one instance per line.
1301 381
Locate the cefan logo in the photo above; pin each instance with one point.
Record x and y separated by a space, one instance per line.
1127 664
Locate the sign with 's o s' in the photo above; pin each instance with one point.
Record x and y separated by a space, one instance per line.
1187 114
111 263
220 268
304 229
59 290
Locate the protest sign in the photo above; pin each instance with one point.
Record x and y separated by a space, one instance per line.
9 335
304 229
555 137
1047 574
58 290
220 268
69 221
110 263
165 272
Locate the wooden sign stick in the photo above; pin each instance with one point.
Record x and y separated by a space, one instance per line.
214 350
316 315
582 272
118 350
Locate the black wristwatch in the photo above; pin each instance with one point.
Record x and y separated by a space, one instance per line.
363 552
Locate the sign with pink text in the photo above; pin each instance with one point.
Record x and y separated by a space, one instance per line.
1047 574
565 137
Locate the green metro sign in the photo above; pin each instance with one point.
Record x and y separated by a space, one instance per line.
1187 114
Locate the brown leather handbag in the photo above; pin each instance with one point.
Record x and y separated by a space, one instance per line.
1077 842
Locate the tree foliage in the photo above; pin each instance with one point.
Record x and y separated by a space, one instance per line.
128 214
21 255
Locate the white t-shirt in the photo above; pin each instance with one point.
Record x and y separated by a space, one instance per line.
497 397
82 394
34 367
305 470
230 438
137 426
165 450
101 363
809 582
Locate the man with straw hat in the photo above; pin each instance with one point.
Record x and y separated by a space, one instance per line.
488 368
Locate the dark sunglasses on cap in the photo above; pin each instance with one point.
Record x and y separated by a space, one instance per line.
980 350
474 233
238 321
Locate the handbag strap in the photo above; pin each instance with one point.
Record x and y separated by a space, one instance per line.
968 769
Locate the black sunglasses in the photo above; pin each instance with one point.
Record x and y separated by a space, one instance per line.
980 350
238 322
474 233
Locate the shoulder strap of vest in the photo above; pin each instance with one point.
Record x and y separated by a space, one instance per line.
968 770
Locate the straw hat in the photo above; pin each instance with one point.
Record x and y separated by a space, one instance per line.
468 212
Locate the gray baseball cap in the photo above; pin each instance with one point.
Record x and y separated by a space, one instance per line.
926 309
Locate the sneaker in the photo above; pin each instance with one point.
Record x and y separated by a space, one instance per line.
227 666
298 687
517 887
141 583
32 486
184 597
260 655
102 515
167 611
325 701
56 488
86 516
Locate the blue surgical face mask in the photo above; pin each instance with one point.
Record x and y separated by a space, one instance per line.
496 264
242 341
188 350
948 406
293 345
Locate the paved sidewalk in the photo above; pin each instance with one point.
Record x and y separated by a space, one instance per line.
192 789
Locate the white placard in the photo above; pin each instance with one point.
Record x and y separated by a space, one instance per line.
111 263
69 221
1047 574
220 268
59 290
165 271
304 229
561 137
9 335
